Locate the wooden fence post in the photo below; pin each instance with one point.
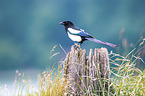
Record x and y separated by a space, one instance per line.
87 75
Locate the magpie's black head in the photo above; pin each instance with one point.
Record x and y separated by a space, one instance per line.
67 23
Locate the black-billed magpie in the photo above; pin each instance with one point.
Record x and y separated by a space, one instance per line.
79 36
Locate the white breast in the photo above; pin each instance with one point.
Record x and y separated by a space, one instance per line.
73 31
74 37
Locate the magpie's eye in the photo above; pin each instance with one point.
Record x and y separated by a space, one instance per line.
66 23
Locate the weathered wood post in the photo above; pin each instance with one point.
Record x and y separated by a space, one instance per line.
87 75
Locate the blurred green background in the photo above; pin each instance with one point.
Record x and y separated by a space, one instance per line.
30 28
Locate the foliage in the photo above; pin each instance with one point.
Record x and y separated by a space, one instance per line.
126 78
50 84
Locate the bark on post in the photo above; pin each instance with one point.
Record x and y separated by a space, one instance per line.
87 74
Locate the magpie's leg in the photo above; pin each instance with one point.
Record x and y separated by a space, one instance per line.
77 46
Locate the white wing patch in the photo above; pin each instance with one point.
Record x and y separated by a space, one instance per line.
73 31
74 37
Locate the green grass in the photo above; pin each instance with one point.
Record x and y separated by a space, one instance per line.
126 78
49 84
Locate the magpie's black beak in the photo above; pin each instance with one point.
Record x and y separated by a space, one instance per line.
61 23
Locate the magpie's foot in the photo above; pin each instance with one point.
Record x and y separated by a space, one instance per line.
77 46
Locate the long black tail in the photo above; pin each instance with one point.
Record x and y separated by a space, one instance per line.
101 42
